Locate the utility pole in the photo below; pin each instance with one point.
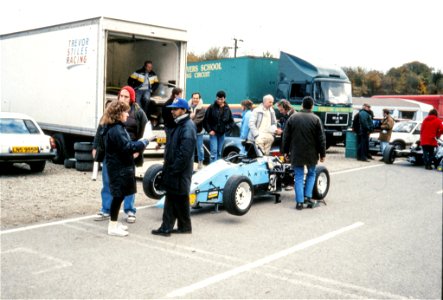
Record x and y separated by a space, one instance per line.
235 46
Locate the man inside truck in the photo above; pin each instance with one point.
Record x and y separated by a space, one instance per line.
145 82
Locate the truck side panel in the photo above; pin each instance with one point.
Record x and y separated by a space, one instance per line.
59 76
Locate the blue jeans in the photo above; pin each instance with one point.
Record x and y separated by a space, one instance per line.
200 152
304 189
216 142
383 147
107 197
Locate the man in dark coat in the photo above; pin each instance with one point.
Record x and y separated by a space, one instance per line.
366 126
177 171
304 142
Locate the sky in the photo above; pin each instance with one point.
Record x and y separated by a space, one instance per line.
372 34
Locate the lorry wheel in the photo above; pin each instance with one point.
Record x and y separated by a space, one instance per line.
237 195
60 156
389 154
322 182
37 166
152 182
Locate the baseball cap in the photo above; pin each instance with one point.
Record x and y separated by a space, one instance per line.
179 103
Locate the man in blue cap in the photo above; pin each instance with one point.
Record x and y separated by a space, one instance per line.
177 171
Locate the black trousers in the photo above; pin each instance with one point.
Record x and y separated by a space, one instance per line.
176 208
115 207
363 146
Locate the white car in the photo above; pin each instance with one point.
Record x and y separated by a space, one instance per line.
23 141
404 134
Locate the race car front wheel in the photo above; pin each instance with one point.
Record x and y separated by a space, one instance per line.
322 182
389 154
237 195
152 181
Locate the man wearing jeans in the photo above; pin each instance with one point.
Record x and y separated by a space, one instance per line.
304 143
218 121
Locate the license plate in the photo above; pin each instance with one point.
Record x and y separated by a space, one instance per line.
192 199
212 194
25 149
337 133
161 140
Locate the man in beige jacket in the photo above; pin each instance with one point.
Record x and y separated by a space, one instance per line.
263 124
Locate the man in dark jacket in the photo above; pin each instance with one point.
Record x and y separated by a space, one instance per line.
365 128
218 121
177 171
145 82
304 142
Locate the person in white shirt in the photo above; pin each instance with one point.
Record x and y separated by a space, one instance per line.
263 125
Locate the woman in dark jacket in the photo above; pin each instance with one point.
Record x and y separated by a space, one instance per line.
218 121
119 160
135 126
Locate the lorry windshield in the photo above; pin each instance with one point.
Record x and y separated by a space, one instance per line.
332 93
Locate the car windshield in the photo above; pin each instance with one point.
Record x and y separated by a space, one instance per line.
333 93
17 126
405 127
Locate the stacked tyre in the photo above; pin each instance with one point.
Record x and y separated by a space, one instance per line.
83 156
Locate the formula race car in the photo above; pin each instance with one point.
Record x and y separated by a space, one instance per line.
414 155
233 181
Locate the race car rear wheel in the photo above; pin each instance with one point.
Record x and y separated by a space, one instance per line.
237 195
322 182
389 154
152 182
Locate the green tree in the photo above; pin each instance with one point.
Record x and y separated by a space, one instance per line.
268 54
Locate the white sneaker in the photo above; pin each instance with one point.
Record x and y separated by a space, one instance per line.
200 165
131 217
123 227
114 229
101 216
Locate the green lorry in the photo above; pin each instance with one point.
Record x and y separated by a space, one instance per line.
288 77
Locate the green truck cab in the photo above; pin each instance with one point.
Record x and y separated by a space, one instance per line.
328 86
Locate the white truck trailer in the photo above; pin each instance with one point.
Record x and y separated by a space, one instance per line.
61 75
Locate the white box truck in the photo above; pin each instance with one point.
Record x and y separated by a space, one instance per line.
62 74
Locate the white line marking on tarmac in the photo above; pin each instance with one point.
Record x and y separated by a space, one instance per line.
258 263
61 222
59 262
440 192
355 169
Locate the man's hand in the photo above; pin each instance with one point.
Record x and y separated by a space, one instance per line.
135 155
212 132
93 152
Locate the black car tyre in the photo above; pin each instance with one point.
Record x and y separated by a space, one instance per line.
83 156
322 182
83 146
399 145
69 163
85 166
152 182
37 166
237 195
389 154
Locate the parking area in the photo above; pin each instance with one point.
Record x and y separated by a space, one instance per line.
379 237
